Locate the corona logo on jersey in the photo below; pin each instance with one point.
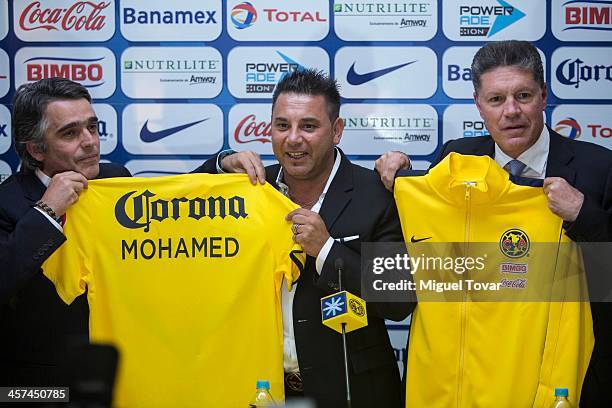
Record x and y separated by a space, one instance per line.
144 209
571 125
244 15
514 243
81 16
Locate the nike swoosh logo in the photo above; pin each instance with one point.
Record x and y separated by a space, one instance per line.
354 78
148 136
413 239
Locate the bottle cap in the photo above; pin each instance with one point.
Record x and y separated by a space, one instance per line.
263 384
561 392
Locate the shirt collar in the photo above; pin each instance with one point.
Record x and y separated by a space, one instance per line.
535 158
284 188
42 177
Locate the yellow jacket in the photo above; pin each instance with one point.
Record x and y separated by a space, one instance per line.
508 347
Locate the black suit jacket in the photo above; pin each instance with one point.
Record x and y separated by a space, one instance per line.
588 168
36 327
355 204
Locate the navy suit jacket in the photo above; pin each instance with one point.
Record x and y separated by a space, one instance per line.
355 204
588 168
36 327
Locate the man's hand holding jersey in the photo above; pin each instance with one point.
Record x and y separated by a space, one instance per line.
64 190
309 230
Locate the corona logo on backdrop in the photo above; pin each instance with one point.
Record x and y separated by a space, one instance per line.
243 15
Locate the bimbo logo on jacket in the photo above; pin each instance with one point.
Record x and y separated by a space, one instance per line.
66 20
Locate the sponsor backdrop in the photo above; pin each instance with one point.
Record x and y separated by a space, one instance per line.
175 82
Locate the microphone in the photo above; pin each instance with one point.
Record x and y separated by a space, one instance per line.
343 308
344 312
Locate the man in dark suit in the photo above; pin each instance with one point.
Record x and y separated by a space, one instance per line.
510 94
333 222
56 136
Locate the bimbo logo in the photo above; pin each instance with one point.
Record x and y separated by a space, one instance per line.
82 15
590 15
76 69
250 130
145 209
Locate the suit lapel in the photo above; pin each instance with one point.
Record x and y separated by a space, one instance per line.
32 187
486 149
559 157
338 195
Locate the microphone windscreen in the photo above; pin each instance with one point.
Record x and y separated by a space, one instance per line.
339 263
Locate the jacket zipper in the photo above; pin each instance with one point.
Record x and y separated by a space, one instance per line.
464 303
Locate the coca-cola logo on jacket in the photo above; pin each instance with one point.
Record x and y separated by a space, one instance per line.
250 130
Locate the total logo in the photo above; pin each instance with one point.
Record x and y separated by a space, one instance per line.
178 20
253 72
172 128
589 123
260 20
243 15
494 20
93 67
249 124
64 20
575 20
582 73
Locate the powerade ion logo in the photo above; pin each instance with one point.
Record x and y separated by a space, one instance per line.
263 77
514 243
569 127
243 15
486 21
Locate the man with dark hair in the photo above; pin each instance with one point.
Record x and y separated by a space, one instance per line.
333 222
55 131
510 94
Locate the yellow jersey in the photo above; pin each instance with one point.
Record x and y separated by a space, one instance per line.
183 275
477 347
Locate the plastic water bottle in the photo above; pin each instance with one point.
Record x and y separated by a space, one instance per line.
561 399
262 396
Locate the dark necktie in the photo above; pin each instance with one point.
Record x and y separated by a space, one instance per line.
515 167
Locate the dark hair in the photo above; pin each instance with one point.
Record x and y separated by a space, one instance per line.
520 54
311 82
29 122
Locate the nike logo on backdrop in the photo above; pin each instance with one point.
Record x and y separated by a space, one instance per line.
413 239
148 136
354 78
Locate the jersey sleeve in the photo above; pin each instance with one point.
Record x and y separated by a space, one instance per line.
68 267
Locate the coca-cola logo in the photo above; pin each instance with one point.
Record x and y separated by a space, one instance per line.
249 130
82 15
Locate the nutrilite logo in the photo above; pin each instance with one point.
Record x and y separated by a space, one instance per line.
139 211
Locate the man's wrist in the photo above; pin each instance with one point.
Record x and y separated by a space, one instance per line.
222 155
40 204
